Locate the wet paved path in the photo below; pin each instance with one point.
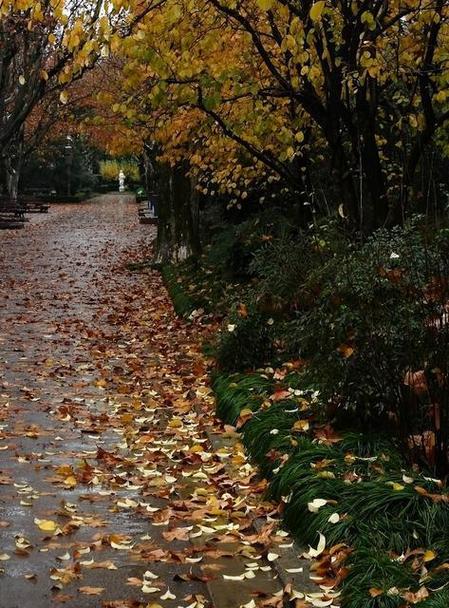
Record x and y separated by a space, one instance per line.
110 494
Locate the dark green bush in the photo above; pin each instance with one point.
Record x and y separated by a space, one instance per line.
377 339
246 342
284 265
232 249
228 254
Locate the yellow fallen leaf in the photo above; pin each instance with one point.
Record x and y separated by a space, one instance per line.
64 469
429 555
265 5
175 423
197 448
70 481
46 525
301 425
397 487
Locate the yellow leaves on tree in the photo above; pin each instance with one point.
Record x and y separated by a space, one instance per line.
317 9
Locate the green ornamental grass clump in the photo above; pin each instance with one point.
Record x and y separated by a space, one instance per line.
240 391
184 305
356 489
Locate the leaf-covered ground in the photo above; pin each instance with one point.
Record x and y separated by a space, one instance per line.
112 492
379 518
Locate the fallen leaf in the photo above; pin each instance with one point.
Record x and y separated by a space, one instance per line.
91 590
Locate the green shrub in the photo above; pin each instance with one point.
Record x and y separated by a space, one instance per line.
246 342
227 254
232 250
377 339
283 265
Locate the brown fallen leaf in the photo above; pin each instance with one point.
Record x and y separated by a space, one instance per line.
134 581
415 598
280 395
91 590
176 534
122 604
61 598
108 565
245 415
346 350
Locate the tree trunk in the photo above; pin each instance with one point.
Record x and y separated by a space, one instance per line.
374 209
178 225
13 161
343 173
148 168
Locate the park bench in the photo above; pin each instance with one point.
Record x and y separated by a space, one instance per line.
12 214
148 220
147 210
33 204
146 214
144 208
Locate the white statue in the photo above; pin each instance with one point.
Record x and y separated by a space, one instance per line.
121 181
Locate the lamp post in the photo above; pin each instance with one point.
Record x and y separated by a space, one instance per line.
69 160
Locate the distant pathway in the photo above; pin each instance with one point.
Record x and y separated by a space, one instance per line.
110 494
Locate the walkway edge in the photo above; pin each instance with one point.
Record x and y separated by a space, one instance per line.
289 557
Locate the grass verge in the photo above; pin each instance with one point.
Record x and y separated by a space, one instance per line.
194 284
354 490
384 523
183 303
